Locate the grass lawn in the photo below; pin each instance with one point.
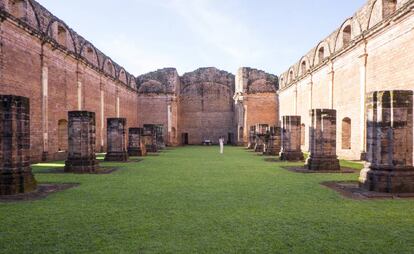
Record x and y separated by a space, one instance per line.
193 200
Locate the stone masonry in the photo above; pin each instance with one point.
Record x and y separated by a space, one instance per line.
135 142
390 143
274 141
291 148
323 141
116 140
261 133
15 173
81 143
252 137
150 138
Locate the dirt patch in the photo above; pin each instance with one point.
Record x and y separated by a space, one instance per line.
100 171
303 170
43 190
351 189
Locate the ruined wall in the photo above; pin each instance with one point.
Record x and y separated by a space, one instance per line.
157 101
43 59
206 105
372 50
256 101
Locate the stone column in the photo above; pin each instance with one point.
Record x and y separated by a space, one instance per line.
116 138
81 142
135 142
291 148
275 141
150 138
159 132
15 173
322 141
389 166
260 137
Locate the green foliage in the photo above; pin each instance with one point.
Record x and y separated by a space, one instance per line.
194 200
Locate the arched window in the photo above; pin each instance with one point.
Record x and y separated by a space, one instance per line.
241 133
346 133
346 35
303 67
18 8
302 134
321 54
291 76
62 35
388 7
62 135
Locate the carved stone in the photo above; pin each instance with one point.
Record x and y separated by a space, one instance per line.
116 136
389 166
81 143
291 147
15 173
322 138
150 138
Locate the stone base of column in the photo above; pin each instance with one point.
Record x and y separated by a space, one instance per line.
81 166
291 156
272 151
116 156
325 163
251 146
12 183
136 152
259 148
389 181
151 148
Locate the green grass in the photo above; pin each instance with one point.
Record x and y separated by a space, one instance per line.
193 200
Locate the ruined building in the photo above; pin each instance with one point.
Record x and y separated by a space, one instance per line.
43 59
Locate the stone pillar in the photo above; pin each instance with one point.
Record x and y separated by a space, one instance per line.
252 137
81 143
389 166
322 141
135 142
15 173
261 132
159 132
291 147
116 138
150 138
274 141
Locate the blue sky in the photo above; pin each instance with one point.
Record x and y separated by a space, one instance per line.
145 35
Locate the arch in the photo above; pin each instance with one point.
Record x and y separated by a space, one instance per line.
62 34
346 133
88 51
302 134
322 51
62 135
291 76
108 67
23 10
122 76
132 82
346 35
304 66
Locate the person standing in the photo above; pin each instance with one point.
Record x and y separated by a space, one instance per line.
221 141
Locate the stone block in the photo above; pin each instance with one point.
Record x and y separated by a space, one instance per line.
116 136
291 146
15 173
322 141
135 142
389 166
81 143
